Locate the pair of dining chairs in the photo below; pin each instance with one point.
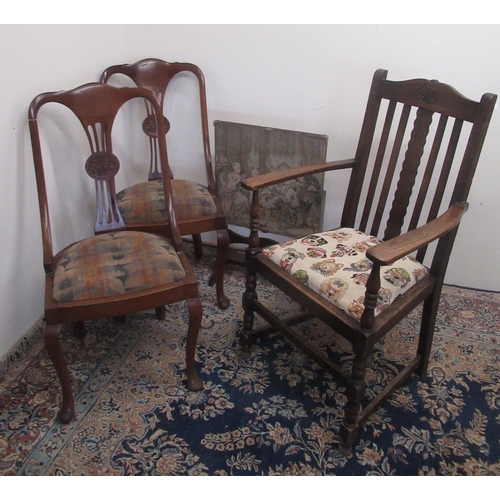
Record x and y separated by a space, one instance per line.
135 260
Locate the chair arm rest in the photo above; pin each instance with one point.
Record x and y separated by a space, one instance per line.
389 251
264 180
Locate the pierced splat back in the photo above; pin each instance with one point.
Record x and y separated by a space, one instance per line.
155 75
428 134
96 106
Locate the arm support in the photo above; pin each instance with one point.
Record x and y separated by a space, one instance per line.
389 251
265 180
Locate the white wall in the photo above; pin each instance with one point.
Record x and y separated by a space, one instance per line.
302 77
35 59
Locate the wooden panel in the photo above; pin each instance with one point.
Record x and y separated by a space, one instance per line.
294 208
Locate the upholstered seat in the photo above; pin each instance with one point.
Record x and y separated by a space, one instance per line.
114 264
335 266
145 202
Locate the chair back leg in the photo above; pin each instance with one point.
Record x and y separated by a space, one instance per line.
427 325
195 314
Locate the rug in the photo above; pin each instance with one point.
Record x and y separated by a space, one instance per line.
275 413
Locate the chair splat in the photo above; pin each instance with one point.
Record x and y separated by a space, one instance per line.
408 173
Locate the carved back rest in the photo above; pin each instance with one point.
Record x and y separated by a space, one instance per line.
96 106
417 153
155 75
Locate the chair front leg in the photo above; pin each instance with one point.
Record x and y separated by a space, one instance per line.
250 293
195 314
355 391
53 346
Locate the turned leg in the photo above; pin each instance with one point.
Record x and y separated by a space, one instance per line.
198 246
195 314
160 313
355 390
53 347
249 296
222 251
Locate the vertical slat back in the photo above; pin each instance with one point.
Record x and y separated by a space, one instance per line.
389 176
362 156
425 183
446 168
416 157
377 166
408 173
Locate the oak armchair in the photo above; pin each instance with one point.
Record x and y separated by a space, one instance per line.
364 277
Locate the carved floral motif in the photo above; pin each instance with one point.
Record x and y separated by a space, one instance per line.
149 125
428 94
102 166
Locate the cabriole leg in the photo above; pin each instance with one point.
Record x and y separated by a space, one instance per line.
53 346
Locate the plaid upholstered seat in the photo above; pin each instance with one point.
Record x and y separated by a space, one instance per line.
145 202
115 263
334 265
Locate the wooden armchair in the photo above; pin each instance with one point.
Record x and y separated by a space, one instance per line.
361 282
197 207
112 273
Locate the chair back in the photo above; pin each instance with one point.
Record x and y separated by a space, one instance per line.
155 75
96 106
418 150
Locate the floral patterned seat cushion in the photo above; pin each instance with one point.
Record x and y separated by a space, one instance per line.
334 265
145 202
113 264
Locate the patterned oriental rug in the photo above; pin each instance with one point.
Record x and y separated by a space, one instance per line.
274 414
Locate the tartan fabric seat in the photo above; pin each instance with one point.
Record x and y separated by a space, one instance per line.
113 264
144 202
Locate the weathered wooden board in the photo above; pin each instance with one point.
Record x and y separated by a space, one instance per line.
294 208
